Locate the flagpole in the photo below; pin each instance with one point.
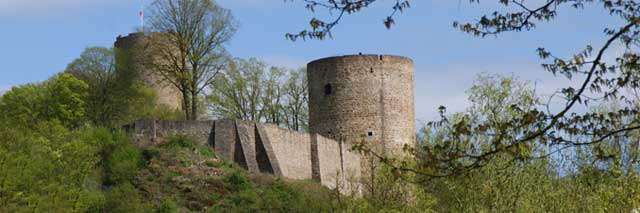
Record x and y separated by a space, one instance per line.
142 15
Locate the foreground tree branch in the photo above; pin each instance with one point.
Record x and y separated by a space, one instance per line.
471 139
322 29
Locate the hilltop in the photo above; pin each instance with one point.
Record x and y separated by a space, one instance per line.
181 175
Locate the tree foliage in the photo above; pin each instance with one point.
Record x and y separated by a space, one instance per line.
61 98
541 125
96 66
509 151
50 160
321 29
250 90
114 98
44 169
519 178
296 107
189 45
51 164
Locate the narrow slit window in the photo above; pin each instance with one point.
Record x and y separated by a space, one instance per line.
327 89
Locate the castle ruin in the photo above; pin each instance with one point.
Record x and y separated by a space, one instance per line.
132 59
363 97
352 98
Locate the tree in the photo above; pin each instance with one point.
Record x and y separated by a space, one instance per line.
495 100
511 180
96 67
273 95
114 98
250 90
238 92
296 107
44 164
189 45
321 29
59 99
559 129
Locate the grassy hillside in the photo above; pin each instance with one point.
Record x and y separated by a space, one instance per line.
179 175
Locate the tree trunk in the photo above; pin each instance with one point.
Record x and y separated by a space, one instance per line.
185 102
194 105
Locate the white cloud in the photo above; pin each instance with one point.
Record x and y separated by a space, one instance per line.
4 89
47 7
242 3
430 91
22 8
284 61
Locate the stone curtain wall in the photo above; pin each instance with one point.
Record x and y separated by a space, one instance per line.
335 168
292 150
264 148
150 132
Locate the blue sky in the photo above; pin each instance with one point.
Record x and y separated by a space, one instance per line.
40 37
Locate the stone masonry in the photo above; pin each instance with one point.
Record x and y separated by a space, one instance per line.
363 97
132 53
352 98
258 147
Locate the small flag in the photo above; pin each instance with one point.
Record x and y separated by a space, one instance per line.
141 14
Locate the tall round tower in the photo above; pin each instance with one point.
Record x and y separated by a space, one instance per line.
363 97
132 57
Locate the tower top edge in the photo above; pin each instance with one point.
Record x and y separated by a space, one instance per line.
120 40
355 57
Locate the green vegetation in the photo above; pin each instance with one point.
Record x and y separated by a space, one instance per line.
250 90
53 160
61 148
184 175
115 98
580 140
525 178
197 39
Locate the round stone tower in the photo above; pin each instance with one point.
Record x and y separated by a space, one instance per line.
132 57
363 97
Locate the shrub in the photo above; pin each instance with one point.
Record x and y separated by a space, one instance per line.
120 160
180 141
124 198
123 164
167 206
92 201
280 197
149 154
205 151
275 196
173 174
237 181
